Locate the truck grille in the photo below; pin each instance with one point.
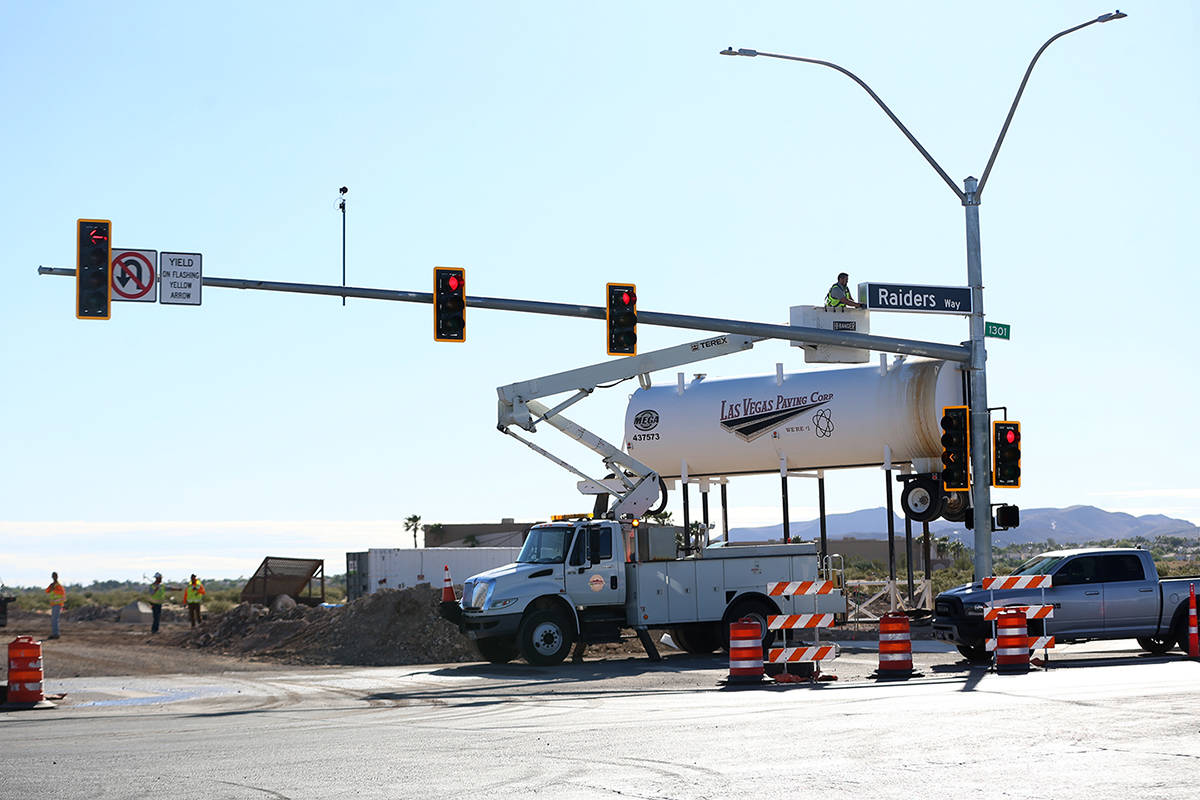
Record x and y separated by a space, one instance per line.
948 607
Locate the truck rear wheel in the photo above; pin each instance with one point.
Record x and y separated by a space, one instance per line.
545 638
498 649
757 610
700 638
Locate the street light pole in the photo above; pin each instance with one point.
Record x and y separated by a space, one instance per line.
969 196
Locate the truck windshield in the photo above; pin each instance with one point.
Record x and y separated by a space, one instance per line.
1039 565
546 545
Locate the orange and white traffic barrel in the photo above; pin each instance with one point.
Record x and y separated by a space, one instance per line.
25 671
745 651
1012 643
895 647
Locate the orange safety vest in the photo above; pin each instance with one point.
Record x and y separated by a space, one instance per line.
193 592
59 592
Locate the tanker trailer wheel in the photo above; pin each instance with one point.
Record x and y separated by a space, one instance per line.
497 649
545 637
954 509
921 500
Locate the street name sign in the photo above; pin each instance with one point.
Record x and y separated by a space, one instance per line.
133 275
997 330
919 299
181 275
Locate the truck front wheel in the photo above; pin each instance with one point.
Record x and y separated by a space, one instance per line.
545 638
975 652
498 649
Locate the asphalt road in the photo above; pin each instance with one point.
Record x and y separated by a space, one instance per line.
1104 722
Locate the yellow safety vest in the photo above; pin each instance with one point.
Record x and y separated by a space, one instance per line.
158 595
59 592
193 592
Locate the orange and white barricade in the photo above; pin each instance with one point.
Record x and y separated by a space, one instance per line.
812 655
1016 636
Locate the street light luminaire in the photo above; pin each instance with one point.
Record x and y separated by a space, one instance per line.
741 51
1115 15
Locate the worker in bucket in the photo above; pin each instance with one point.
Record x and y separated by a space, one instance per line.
839 294
58 599
193 594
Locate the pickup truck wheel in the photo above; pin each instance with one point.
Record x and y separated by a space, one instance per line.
497 649
545 638
976 652
1156 644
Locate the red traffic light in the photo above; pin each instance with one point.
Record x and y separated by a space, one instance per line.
453 282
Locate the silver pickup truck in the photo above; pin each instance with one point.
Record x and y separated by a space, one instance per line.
1098 593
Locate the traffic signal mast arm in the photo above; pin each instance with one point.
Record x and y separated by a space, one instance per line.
635 486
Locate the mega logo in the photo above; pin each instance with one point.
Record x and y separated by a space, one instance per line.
751 418
646 420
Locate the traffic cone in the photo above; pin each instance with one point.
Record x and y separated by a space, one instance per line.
1193 639
448 588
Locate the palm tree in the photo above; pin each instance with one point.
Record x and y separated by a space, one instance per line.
413 523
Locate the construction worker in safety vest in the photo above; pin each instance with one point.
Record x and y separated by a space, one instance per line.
158 595
193 593
839 294
58 599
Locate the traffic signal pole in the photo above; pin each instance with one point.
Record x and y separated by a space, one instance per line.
981 493
763 330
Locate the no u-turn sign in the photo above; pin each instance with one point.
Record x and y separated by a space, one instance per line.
133 275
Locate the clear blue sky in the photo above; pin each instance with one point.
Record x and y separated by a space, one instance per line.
549 148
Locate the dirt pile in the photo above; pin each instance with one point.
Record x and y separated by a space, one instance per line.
389 628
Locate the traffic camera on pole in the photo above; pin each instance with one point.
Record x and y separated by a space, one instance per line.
956 449
449 304
1006 454
93 268
622 319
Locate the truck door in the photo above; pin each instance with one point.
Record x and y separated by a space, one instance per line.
1130 601
1078 597
595 576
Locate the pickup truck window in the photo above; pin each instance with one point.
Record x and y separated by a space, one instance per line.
1083 569
1039 565
1127 567
546 546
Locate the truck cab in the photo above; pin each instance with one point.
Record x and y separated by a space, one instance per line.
568 579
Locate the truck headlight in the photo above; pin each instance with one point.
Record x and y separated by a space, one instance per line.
505 603
482 590
974 609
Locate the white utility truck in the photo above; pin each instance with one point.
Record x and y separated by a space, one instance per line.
585 579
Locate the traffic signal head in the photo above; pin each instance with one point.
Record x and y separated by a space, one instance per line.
449 304
956 449
1006 454
622 319
93 270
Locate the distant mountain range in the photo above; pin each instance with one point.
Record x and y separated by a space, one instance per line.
1073 525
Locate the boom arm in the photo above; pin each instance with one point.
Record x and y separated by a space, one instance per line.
636 487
